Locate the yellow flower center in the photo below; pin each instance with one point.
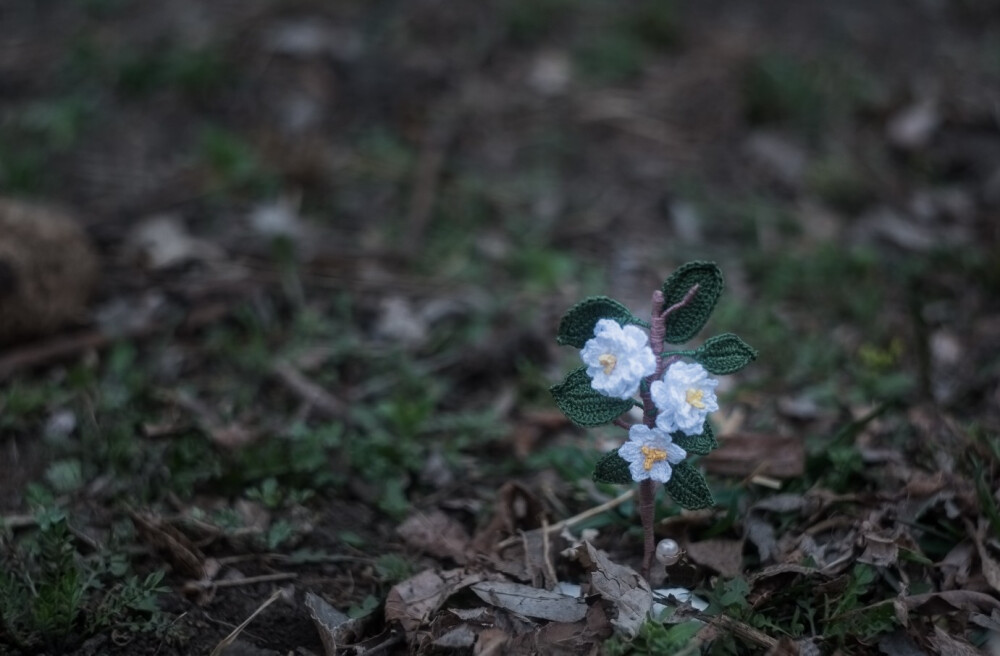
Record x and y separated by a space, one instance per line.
693 397
608 362
652 456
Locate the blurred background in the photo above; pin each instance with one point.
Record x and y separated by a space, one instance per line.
301 253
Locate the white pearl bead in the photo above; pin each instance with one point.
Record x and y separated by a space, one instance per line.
668 552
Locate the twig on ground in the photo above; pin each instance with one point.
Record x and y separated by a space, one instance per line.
549 567
741 630
310 392
391 641
229 639
64 347
576 519
251 580
18 521
60 348
229 435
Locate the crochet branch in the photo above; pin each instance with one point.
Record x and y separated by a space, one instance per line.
622 361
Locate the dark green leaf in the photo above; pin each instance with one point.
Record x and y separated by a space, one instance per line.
612 468
698 445
688 487
684 323
725 354
577 325
583 404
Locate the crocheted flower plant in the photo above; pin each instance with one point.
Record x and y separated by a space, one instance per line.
622 362
649 453
684 397
617 359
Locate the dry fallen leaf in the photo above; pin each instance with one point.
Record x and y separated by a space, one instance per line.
516 509
492 642
946 644
760 531
881 548
622 586
912 127
437 534
336 630
462 636
990 567
956 565
531 602
936 603
898 643
413 601
564 639
724 556
785 647
163 241
744 454
179 551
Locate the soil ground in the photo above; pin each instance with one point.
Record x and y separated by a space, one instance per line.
336 239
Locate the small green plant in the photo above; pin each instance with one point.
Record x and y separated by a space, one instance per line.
841 182
195 72
621 362
656 22
853 608
53 597
31 136
610 56
807 94
393 568
779 88
655 638
233 164
528 20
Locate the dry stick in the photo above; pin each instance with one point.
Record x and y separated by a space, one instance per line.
549 567
229 639
65 347
310 392
576 519
17 521
391 641
251 580
741 630
61 348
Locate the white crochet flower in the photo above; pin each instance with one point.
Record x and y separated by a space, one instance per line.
684 398
618 359
650 452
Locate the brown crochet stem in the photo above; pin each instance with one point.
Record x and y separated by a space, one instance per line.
647 491
681 303
647 496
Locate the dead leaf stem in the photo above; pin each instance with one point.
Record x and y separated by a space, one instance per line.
576 519
229 639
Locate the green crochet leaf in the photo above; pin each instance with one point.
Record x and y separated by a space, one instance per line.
688 487
685 323
725 354
612 468
577 325
697 445
583 404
